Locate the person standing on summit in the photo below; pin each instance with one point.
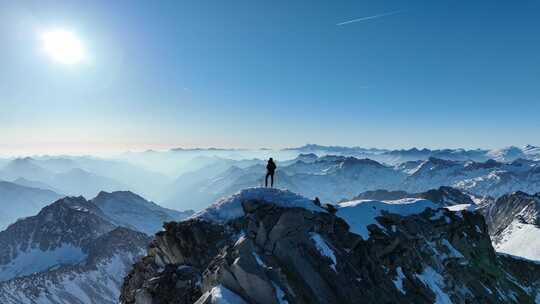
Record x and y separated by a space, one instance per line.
270 169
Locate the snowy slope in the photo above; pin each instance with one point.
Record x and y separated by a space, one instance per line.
230 208
128 209
96 279
60 233
489 178
399 156
520 239
514 224
362 213
248 251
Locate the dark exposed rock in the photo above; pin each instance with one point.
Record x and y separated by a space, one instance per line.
272 254
445 196
518 205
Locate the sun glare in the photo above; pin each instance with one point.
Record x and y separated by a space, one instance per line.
63 46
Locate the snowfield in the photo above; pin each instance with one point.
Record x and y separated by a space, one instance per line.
362 213
86 285
36 260
520 239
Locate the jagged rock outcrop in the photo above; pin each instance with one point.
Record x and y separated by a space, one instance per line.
265 249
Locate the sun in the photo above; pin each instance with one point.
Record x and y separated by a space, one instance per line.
63 46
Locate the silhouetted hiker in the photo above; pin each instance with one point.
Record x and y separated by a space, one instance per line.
270 169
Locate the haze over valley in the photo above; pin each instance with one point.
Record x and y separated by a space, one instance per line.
269 152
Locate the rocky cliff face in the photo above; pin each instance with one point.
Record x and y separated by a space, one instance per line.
264 249
514 224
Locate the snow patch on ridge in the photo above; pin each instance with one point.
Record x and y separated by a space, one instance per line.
222 295
398 282
362 213
435 282
230 208
280 294
324 249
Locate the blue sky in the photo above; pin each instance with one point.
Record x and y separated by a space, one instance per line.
271 74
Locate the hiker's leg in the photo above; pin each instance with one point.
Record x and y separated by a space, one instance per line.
266 179
272 180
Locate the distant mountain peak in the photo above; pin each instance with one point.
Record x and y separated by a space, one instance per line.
125 194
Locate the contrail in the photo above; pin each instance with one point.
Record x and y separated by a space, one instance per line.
370 17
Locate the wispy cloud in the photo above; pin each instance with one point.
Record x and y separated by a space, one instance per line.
370 17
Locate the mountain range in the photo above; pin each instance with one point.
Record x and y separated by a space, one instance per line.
393 157
77 250
334 178
79 175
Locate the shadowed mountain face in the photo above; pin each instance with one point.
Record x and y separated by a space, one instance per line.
445 196
62 232
514 224
18 201
272 246
58 234
68 252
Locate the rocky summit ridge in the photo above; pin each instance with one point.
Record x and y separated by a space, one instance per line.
272 246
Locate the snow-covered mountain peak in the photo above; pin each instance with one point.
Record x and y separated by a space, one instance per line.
58 234
125 208
230 208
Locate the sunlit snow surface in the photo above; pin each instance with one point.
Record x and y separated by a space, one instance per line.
435 282
520 239
358 214
362 213
222 295
230 208
324 249
460 207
